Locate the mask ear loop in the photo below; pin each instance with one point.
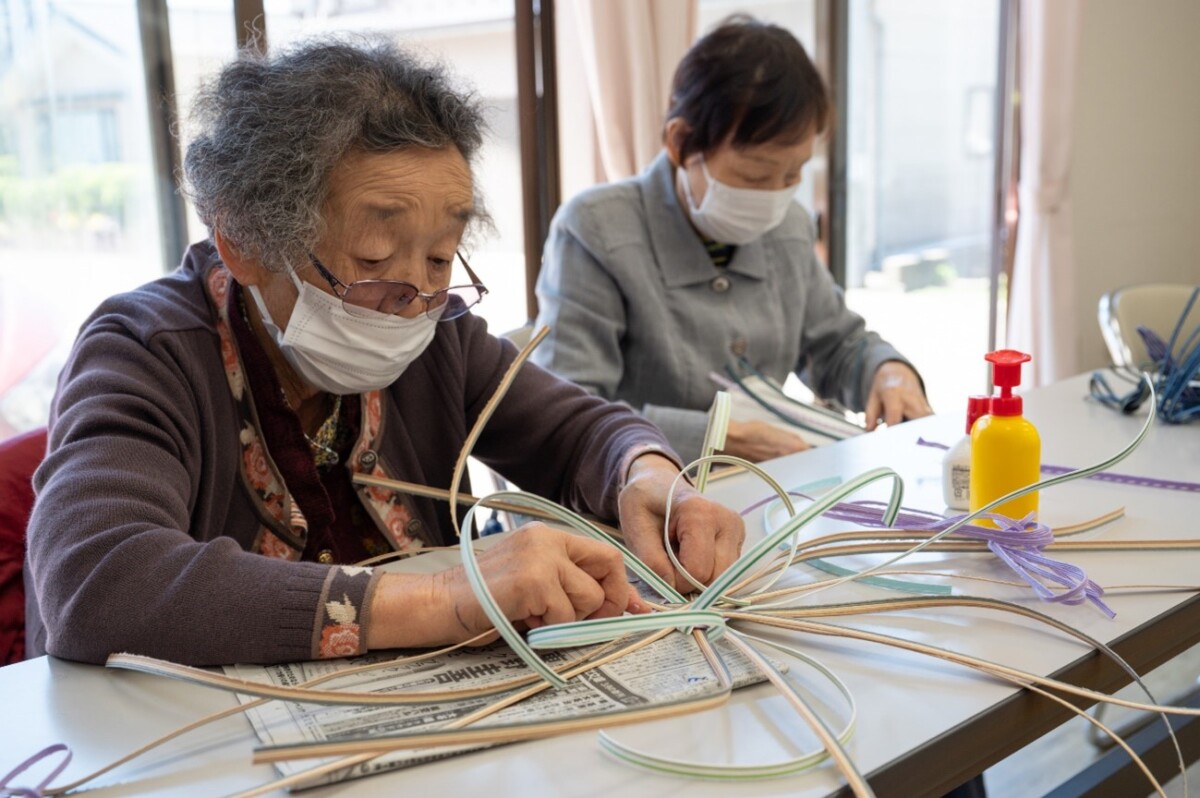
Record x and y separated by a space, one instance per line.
296 281
261 302
709 182
685 185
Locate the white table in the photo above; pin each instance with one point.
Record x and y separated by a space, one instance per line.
924 726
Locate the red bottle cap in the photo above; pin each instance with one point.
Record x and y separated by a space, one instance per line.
1006 374
976 406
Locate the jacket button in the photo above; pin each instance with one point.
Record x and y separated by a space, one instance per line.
368 459
739 346
325 557
720 284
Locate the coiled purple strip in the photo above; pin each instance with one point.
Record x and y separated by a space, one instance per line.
7 791
1018 544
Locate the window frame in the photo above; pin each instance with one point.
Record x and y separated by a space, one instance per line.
159 71
537 110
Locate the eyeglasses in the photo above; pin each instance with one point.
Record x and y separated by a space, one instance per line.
365 297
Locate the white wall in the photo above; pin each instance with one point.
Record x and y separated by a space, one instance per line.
1136 173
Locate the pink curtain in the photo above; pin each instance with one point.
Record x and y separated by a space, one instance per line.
27 334
630 49
1042 318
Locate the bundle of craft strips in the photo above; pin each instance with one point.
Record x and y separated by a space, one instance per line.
742 597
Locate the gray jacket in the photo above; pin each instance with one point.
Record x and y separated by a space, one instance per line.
639 313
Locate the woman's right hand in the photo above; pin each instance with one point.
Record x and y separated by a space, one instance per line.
757 441
537 575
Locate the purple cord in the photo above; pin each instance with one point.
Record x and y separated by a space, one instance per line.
7 791
1018 544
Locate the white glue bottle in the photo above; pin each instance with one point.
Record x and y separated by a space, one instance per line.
956 465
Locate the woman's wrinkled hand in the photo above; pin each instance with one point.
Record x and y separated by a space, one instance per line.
537 575
541 576
895 396
706 537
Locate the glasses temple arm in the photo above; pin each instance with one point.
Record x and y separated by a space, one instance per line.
471 272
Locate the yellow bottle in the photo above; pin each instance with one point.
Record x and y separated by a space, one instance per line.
1006 450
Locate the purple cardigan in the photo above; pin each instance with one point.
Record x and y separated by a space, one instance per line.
147 537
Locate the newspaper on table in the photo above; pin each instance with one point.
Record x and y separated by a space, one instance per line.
665 671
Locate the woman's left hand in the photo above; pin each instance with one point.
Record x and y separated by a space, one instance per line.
895 396
705 536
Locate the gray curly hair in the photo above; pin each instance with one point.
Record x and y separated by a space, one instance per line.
271 128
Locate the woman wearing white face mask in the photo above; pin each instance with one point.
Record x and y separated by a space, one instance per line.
197 502
652 283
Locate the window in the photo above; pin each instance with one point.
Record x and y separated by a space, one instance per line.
202 41
72 136
78 217
921 175
77 174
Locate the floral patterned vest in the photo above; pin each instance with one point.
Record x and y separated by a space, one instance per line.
284 529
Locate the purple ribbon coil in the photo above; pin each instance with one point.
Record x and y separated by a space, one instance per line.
12 791
1018 544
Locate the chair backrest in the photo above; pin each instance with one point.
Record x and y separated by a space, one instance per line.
520 336
19 458
1155 305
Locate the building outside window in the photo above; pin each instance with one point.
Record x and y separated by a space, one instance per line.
78 220
920 181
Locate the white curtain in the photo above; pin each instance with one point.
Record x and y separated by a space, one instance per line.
1042 318
630 49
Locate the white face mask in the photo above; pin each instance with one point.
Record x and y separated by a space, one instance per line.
344 354
734 215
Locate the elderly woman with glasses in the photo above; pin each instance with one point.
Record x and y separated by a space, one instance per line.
198 503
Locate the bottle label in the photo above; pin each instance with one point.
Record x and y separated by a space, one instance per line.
960 482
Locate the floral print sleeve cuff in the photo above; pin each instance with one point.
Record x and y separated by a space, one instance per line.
341 623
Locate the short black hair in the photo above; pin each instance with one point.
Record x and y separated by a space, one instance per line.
750 82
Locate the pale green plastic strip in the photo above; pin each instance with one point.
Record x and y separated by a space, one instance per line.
885 582
499 620
581 524
492 608
602 630
890 515
681 767
705 462
715 592
750 559
609 628
714 435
